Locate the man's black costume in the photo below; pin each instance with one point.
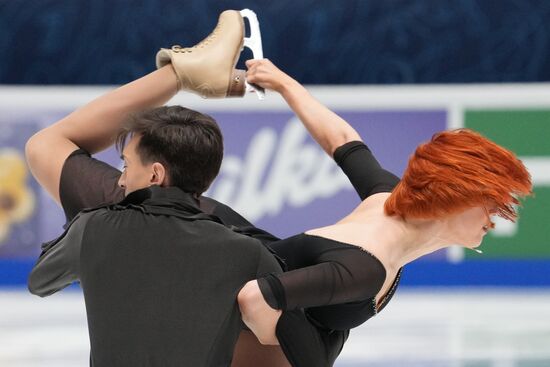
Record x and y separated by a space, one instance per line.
160 279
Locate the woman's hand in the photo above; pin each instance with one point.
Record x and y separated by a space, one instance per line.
328 129
262 72
260 318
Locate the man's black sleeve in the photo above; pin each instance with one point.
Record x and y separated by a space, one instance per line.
59 263
87 183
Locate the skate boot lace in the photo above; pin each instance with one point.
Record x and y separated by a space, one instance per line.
202 44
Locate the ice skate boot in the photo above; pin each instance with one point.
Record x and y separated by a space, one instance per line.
208 68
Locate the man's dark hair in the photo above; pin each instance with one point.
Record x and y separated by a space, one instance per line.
188 143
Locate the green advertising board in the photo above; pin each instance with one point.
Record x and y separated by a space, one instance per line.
527 133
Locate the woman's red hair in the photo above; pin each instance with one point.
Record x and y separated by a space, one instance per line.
456 170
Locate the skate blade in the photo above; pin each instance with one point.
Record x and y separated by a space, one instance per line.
254 43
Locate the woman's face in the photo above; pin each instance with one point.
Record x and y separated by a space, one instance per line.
470 226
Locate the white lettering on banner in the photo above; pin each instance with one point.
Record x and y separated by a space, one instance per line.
299 174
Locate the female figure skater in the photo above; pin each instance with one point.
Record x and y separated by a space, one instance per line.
347 272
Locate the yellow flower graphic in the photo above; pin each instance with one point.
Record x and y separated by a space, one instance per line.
17 201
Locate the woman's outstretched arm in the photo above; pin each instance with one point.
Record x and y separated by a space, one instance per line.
327 128
339 140
94 126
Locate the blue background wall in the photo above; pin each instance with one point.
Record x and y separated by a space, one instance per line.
316 41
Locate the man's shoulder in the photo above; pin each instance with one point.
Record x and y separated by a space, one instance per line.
226 237
227 233
242 249
82 218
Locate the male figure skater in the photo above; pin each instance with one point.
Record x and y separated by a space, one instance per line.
160 276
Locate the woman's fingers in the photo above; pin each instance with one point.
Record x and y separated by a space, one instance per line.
251 62
256 74
264 73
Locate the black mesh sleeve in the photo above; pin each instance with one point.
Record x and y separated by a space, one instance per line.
363 170
325 275
346 278
86 183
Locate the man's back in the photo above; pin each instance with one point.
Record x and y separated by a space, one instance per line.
160 281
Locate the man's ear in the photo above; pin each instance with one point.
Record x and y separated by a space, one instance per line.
159 175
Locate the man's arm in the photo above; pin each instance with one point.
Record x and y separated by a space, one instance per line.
59 263
94 126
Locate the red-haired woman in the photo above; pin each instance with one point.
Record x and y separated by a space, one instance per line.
345 273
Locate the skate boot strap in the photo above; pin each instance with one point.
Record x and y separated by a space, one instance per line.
237 84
